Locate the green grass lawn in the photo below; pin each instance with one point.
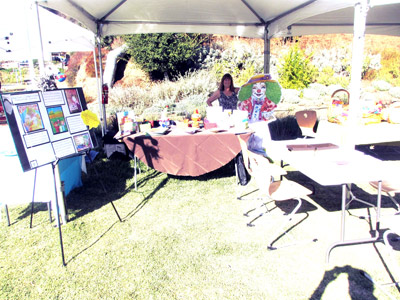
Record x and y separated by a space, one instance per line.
186 238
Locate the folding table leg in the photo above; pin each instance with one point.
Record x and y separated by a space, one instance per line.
343 241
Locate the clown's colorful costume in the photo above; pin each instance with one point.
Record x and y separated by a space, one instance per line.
259 97
258 110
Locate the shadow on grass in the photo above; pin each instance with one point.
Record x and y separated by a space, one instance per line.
92 244
26 213
98 192
105 183
146 200
225 171
128 216
359 286
330 197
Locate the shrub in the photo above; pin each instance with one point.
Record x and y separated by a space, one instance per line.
128 98
11 76
395 92
390 70
381 85
296 70
371 64
241 61
186 106
334 66
334 60
165 55
74 64
191 89
328 77
90 69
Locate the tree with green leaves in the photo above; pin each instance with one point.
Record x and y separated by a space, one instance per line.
165 55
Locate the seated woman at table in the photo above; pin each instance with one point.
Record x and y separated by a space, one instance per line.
226 94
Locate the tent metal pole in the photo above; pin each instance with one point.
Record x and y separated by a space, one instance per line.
98 89
30 54
41 57
267 51
104 117
360 17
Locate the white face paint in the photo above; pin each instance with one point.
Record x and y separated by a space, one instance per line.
259 90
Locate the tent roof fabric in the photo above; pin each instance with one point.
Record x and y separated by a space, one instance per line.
247 18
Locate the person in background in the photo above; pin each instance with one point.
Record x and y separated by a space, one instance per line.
226 94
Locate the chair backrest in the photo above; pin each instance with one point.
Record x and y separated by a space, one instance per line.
259 167
306 120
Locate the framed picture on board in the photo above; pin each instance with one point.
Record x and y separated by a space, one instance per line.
57 120
30 117
74 104
83 141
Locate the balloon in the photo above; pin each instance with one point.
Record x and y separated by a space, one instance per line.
61 77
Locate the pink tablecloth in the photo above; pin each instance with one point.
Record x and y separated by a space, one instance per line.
185 154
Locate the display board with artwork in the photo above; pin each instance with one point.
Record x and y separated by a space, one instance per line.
47 126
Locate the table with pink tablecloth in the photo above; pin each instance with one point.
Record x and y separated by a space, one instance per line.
185 154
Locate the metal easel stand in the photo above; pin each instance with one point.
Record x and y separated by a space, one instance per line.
54 164
373 239
5 212
102 185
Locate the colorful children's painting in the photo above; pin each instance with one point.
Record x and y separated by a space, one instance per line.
30 116
74 104
83 142
57 119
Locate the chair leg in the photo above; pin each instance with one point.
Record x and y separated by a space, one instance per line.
390 251
284 224
267 210
394 202
238 196
135 171
282 166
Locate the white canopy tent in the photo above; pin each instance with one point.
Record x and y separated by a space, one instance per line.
248 18
60 35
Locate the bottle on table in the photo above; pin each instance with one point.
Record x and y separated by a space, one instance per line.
196 117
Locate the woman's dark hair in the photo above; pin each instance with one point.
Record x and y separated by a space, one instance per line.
221 85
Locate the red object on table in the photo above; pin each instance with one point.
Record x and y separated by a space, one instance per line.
2 115
185 154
